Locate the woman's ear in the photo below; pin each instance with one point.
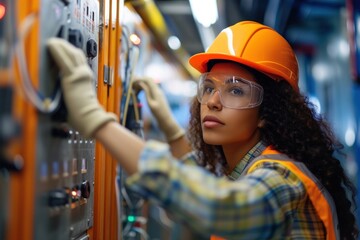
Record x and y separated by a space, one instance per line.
261 123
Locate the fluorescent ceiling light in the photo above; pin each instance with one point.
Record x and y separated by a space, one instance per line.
204 12
174 42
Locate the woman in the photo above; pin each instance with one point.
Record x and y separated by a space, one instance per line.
288 125
249 122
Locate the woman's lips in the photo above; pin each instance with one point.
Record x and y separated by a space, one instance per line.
211 122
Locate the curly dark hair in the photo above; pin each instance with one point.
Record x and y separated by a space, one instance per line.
292 127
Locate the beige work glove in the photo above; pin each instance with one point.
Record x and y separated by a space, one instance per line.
85 114
159 108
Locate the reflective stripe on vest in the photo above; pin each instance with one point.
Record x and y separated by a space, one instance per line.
318 195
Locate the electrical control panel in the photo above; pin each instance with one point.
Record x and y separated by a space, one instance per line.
64 159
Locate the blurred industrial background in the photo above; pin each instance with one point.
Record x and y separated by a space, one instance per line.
54 184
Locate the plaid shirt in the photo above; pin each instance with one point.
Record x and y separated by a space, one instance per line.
268 203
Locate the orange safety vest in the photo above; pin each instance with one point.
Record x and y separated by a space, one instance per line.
321 199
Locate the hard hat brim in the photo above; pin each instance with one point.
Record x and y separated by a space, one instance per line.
199 62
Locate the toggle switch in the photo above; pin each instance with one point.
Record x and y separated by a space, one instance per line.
85 189
58 198
76 38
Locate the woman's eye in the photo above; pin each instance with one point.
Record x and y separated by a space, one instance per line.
208 89
237 91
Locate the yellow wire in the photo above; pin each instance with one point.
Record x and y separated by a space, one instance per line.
129 92
136 109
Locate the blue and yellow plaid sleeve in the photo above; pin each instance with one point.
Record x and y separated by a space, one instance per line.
253 207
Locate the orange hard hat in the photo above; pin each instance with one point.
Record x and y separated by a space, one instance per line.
255 45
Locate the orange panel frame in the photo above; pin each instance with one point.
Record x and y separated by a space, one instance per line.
114 106
106 223
22 185
100 155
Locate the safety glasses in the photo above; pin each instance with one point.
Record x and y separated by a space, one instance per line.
234 91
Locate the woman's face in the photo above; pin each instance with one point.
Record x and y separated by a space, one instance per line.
227 126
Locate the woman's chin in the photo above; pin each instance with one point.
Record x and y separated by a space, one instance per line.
211 140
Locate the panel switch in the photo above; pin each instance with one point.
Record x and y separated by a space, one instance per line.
91 48
76 38
85 189
58 198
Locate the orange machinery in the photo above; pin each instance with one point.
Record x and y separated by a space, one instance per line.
63 186
66 187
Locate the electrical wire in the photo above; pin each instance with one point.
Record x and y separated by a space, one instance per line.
128 200
118 198
136 109
45 105
125 55
134 58
131 55
141 232
127 45
163 218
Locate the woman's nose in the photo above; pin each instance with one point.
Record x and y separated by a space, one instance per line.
214 101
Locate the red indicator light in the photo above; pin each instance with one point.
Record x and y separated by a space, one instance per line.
2 11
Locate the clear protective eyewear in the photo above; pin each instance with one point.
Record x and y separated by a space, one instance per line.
234 91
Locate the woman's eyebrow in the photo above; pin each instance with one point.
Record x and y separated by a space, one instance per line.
234 79
208 80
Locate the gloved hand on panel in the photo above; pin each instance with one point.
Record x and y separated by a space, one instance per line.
85 113
159 108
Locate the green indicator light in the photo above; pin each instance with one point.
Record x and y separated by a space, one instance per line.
131 218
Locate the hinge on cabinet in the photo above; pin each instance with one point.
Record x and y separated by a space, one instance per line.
108 75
